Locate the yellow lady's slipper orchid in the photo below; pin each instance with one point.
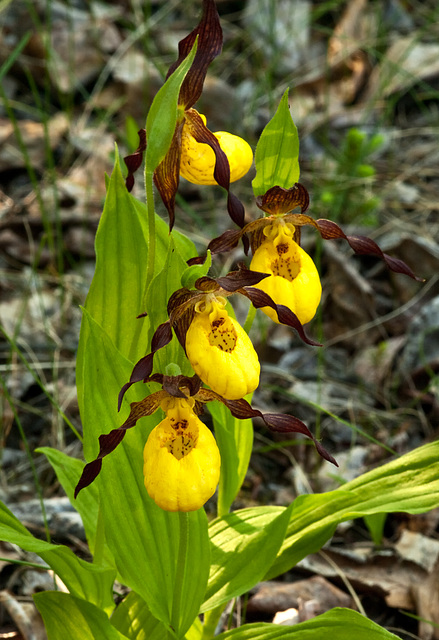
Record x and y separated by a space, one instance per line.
181 459
294 280
220 351
197 161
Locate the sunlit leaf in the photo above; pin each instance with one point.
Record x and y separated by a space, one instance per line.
68 471
244 545
83 579
68 617
235 441
192 273
409 484
133 618
277 152
162 116
160 290
336 624
115 298
143 538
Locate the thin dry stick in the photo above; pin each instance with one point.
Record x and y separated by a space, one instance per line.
345 580
389 316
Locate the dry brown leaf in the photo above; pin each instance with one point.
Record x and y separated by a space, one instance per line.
346 50
406 62
6 204
347 33
417 548
352 299
425 523
383 575
426 595
33 138
274 596
323 95
25 616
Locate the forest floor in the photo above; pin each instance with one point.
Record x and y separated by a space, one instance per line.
76 77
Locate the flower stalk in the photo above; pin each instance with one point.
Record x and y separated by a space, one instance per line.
150 269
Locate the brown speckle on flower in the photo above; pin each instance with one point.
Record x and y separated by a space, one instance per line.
180 446
282 248
223 338
286 268
179 426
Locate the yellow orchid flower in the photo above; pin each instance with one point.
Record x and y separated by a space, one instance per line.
204 153
220 351
198 160
181 459
294 280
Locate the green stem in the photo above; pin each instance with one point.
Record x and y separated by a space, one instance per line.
320 352
181 568
151 225
211 619
99 547
249 319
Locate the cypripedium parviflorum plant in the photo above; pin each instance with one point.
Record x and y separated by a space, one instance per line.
165 375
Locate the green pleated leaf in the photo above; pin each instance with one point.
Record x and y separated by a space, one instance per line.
133 619
277 152
336 624
185 246
409 484
68 617
68 471
192 571
165 283
235 441
83 579
117 293
243 547
375 523
196 631
115 298
162 116
143 539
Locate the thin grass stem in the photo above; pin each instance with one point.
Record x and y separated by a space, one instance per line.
38 488
52 400
25 563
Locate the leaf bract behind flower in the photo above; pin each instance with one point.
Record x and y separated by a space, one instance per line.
277 152
162 116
